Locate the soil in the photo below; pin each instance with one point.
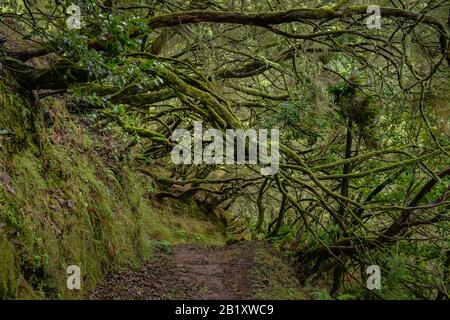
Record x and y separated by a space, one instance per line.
191 272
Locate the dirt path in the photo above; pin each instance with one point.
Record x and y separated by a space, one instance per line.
191 272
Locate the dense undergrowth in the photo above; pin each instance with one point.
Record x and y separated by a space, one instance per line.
63 202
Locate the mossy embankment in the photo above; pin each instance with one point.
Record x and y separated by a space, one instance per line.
63 202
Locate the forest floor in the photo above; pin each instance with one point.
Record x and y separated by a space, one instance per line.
243 270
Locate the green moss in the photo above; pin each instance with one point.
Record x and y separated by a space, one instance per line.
8 281
15 120
88 218
274 279
66 205
362 109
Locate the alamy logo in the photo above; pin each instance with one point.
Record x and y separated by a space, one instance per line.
374 279
374 20
74 20
74 277
241 147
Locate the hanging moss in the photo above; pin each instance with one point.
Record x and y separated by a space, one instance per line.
353 104
363 110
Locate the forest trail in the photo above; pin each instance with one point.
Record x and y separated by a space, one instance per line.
233 272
